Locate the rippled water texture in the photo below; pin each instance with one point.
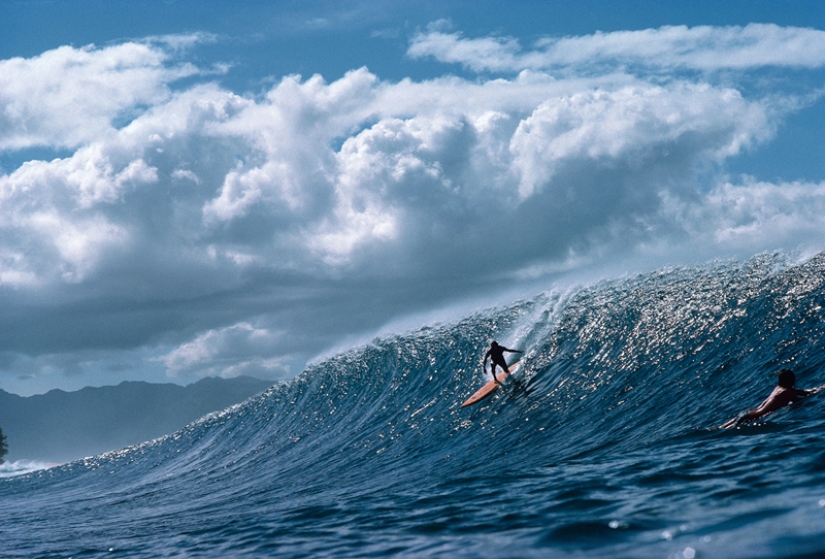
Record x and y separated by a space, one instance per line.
605 447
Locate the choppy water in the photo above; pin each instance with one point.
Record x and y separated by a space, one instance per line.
605 448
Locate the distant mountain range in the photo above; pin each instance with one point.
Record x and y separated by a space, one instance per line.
62 426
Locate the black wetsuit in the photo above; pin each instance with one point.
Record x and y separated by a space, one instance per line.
496 355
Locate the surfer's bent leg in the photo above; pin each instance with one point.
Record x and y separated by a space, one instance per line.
742 418
504 367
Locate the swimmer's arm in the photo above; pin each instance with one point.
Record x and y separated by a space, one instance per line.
815 390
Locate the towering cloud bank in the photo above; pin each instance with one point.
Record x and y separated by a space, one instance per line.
232 229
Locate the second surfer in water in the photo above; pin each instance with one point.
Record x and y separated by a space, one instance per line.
783 395
496 356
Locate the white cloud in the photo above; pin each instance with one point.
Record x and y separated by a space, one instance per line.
634 127
210 207
701 48
754 213
14 270
69 96
486 53
228 352
417 161
79 244
51 212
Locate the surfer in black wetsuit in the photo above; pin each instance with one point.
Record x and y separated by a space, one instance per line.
496 356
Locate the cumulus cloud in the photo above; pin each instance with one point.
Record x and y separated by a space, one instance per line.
327 208
50 213
633 127
69 96
768 214
240 349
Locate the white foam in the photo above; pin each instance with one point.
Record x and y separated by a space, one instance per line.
21 467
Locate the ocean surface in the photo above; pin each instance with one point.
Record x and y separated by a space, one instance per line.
604 446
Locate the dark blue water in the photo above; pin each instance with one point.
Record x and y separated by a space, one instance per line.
604 448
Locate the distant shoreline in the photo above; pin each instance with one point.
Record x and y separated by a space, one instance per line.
61 426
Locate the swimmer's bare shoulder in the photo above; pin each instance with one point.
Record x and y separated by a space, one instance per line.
782 395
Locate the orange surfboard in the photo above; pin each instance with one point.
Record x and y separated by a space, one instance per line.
490 387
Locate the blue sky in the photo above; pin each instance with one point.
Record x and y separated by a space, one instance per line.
222 188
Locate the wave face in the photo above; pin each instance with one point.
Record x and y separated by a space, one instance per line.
603 447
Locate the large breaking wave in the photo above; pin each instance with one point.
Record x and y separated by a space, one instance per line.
603 446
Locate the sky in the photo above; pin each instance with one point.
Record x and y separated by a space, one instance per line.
218 188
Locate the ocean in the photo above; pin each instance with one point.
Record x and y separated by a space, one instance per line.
604 445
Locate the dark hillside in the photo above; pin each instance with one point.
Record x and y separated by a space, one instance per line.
60 426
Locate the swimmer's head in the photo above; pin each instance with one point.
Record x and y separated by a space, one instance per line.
786 378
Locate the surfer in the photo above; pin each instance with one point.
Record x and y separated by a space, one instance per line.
783 395
496 356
